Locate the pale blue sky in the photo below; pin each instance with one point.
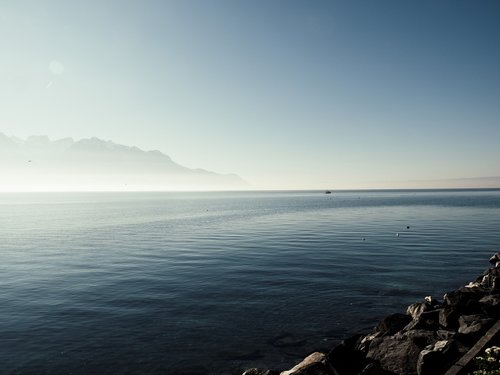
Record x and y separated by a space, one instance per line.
288 94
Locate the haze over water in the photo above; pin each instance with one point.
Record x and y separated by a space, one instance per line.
288 95
191 283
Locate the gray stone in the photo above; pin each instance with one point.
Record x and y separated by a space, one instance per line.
392 324
345 358
495 258
415 309
397 355
491 305
374 369
491 279
473 326
436 358
465 300
428 320
419 337
448 317
314 364
444 334
365 341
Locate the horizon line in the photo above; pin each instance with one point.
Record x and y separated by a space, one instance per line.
255 190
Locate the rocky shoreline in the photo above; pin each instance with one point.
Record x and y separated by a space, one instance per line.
427 340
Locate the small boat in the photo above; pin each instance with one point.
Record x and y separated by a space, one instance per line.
328 192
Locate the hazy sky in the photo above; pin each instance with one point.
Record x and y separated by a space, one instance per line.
288 94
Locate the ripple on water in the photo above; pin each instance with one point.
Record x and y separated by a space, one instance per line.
135 283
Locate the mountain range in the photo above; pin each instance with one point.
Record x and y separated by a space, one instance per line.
39 163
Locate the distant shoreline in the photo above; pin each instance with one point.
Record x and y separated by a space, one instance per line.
333 191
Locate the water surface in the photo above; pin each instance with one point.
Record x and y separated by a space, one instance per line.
207 283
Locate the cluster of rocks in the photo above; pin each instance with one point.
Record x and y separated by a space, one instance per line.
428 339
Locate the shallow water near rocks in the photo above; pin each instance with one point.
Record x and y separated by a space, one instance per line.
212 283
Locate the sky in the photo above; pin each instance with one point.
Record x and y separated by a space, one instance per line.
287 94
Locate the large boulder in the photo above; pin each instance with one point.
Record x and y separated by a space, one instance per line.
465 300
374 369
346 358
471 327
448 317
314 364
495 258
392 324
399 353
434 359
491 279
491 305
395 355
428 320
415 309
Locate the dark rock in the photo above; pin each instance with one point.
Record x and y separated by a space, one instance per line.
419 337
491 305
392 324
471 327
465 300
463 348
448 317
429 362
374 369
314 364
365 341
415 309
286 340
491 279
431 301
435 359
345 358
399 353
428 320
352 342
496 283
495 258
395 354
444 334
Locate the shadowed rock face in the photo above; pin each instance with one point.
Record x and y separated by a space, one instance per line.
427 340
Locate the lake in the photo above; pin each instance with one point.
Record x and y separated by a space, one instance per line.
213 283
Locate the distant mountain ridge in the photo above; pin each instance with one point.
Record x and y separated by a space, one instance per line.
92 163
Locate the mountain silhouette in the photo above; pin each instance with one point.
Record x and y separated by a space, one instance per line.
38 163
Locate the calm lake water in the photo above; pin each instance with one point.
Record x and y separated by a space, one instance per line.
213 283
